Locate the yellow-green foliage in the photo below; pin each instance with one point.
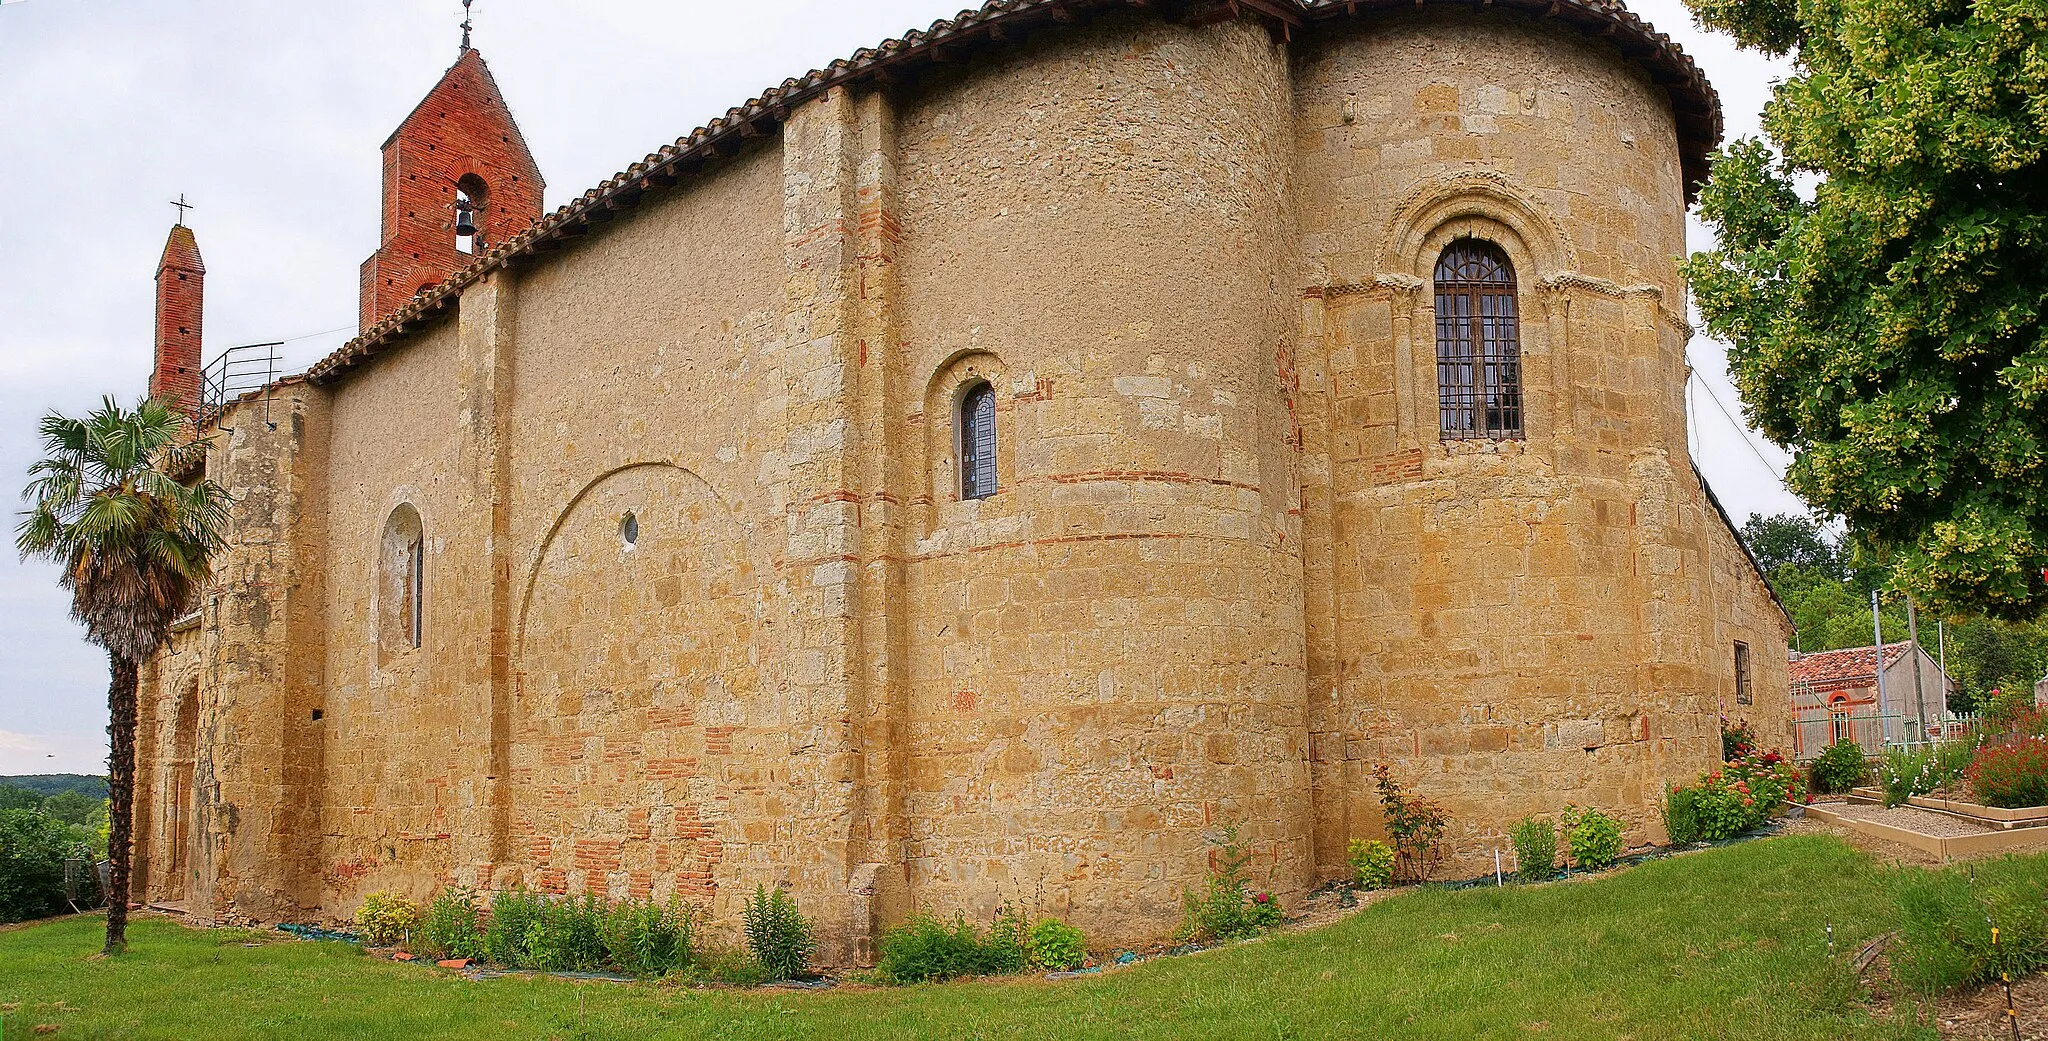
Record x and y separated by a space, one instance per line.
1888 325
1372 863
386 919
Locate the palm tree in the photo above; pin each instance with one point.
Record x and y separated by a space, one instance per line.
135 544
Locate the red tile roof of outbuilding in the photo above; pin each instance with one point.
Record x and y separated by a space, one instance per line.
1850 664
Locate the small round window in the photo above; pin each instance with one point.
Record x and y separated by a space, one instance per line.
629 530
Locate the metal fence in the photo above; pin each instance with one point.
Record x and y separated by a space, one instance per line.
1814 728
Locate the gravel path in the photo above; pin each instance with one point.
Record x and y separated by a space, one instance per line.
1926 822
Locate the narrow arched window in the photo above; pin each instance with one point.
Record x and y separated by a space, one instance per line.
1478 343
402 582
978 442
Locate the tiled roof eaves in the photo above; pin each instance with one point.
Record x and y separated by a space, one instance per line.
1694 104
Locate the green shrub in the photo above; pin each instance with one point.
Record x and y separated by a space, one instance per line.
1223 908
1593 837
1415 824
1006 950
1372 863
451 927
386 919
1535 841
1055 946
567 934
2011 773
648 939
1840 767
513 915
926 948
32 851
1945 933
1683 816
777 933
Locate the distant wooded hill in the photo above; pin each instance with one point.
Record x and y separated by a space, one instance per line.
47 785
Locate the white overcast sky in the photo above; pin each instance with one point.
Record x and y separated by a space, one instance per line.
268 116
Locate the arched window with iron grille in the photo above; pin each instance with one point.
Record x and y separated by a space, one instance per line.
977 424
1478 343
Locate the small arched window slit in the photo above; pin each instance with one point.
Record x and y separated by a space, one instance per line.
977 426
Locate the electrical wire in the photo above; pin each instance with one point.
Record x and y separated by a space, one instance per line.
1741 429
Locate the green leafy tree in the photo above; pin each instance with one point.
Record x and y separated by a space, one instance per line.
1890 330
72 808
13 798
1781 540
135 546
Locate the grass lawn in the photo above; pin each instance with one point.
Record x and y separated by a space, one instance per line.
1726 943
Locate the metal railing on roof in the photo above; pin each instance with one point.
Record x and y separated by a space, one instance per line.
237 371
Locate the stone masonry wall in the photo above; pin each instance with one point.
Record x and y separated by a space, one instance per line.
1105 656
704 607
1511 625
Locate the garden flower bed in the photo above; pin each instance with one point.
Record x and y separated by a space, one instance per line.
1931 829
1988 816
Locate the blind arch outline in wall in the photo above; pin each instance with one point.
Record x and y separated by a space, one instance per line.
976 422
401 582
1478 344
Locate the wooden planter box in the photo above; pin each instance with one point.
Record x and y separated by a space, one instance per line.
1988 816
1947 848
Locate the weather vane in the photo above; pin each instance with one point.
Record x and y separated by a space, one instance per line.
465 24
182 206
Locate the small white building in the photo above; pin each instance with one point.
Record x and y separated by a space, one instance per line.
1836 696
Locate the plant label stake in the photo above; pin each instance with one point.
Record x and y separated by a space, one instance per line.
2012 1015
1496 866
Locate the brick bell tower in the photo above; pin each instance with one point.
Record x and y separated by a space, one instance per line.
457 161
180 301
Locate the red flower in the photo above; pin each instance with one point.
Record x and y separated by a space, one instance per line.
1749 802
1263 898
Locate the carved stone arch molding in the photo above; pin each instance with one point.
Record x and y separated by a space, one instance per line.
636 687
1483 204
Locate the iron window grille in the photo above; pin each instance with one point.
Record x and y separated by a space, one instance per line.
1478 343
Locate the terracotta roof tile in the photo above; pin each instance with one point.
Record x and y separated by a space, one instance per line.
1849 664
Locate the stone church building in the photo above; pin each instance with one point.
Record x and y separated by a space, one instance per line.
979 470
